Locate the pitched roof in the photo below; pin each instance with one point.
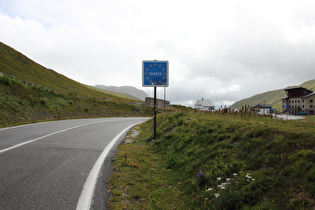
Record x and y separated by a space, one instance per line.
297 92
205 102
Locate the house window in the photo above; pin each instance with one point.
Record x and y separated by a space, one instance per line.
303 101
303 106
311 106
311 101
298 101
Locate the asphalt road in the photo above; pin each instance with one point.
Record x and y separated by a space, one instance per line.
60 164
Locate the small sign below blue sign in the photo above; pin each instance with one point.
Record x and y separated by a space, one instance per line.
155 74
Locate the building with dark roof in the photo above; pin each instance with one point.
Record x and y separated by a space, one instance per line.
262 109
298 101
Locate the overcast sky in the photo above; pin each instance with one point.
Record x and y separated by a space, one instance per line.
220 50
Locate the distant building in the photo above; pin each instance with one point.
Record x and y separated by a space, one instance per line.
298 101
262 109
159 102
204 105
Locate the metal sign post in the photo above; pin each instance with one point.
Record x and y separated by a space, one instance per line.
155 113
155 74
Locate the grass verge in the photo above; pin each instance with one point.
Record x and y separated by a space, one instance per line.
140 180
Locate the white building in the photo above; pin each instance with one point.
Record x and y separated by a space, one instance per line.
262 109
204 105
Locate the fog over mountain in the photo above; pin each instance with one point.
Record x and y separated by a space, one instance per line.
140 94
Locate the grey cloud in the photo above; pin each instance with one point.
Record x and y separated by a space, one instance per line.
224 51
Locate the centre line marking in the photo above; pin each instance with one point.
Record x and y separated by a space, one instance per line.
42 137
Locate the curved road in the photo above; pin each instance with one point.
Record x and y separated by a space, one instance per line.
56 165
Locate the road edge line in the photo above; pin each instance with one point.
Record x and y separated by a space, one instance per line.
87 193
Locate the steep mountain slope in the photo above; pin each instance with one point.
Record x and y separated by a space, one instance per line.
271 97
14 63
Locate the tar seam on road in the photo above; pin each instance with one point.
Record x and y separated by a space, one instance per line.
42 137
86 197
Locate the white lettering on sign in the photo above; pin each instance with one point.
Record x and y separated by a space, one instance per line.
155 73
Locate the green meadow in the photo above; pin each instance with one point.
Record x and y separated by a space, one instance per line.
216 161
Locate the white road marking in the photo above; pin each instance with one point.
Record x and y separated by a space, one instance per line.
20 126
86 196
42 137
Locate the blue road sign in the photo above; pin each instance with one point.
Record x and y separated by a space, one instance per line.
155 74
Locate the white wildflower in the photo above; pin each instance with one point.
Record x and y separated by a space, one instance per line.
209 189
235 174
219 178
248 176
216 195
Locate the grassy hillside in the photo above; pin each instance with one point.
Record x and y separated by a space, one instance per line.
54 96
217 161
13 63
271 97
21 104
